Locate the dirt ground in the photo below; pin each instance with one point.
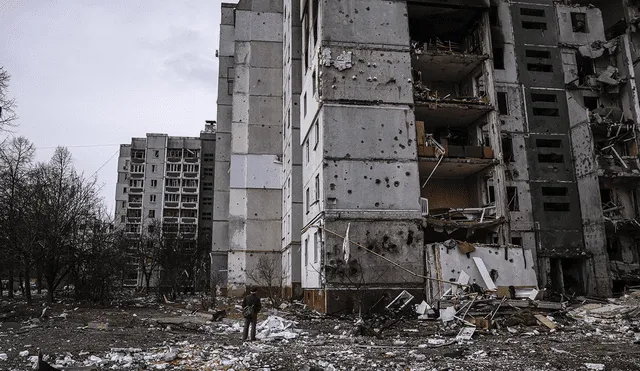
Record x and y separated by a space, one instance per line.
143 335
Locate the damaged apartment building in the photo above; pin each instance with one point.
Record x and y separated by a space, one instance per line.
375 146
165 182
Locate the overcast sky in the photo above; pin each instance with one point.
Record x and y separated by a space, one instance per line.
96 73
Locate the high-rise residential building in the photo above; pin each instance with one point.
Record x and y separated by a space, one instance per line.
166 181
437 136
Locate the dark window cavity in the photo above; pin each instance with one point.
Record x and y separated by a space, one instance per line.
532 12
550 158
579 22
503 106
556 206
548 143
534 25
555 191
512 199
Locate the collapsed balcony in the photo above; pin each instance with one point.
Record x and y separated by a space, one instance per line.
615 143
447 58
593 69
498 268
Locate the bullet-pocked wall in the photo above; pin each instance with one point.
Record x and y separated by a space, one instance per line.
220 216
292 201
556 203
255 193
358 147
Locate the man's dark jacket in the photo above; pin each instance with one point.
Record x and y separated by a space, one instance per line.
252 299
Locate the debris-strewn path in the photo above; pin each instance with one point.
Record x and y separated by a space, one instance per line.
142 335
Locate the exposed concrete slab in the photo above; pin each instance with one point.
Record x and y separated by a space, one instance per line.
450 114
455 168
438 66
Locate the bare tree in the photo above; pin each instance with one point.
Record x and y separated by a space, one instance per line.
16 161
149 247
269 275
7 104
62 200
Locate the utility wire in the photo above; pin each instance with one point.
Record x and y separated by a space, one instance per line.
106 162
80 146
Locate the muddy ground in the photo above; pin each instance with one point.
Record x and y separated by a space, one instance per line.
143 335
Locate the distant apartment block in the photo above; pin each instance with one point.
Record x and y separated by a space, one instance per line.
166 181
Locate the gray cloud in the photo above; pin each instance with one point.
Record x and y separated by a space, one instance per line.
88 72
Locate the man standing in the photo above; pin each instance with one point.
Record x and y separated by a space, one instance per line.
250 308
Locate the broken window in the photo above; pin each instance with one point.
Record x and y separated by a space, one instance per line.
512 198
606 195
304 105
539 111
532 12
534 25
548 143
585 68
579 22
556 206
498 58
507 149
230 79
313 83
317 187
591 103
555 191
550 158
306 251
316 127
306 149
516 241
547 98
503 106
314 10
316 247
152 213
539 67
307 199
491 195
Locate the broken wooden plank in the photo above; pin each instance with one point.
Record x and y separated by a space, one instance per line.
545 321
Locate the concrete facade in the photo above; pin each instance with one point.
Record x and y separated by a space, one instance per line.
292 201
405 125
247 227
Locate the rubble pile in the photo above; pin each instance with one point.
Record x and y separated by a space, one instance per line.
423 93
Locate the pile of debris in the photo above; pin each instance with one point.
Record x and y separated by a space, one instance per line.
451 219
424 94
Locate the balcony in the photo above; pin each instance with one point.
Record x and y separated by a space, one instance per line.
447 110
135 205
440 159
189 205
170 219
190 189
188 220
444 62
171 204
455 3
